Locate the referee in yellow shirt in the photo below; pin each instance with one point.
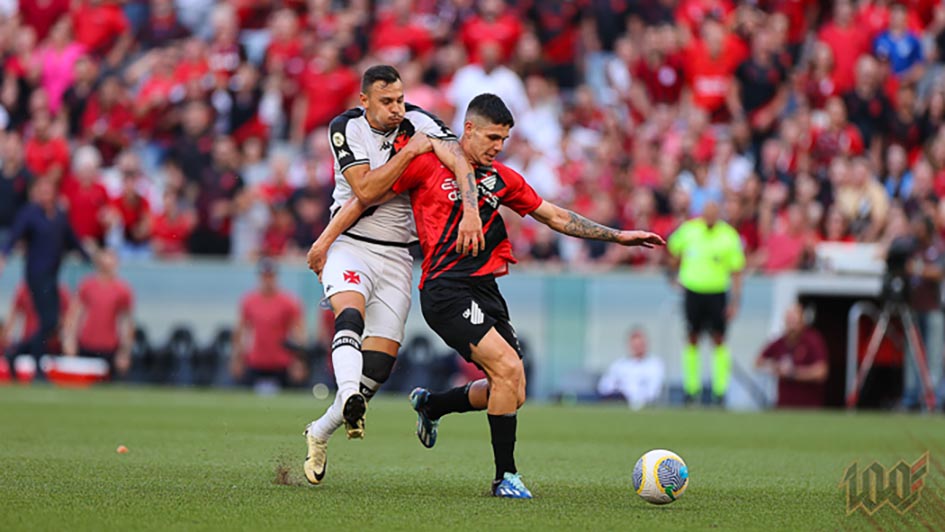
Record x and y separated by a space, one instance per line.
710 258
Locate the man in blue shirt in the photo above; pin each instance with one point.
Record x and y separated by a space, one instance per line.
45 230
900 46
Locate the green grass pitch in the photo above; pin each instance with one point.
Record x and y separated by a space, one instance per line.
211 461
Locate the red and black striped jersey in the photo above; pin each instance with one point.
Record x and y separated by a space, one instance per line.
438 209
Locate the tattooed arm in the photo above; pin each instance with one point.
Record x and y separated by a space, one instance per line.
571 223
470 239
371 186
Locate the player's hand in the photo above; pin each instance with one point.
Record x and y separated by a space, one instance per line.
123 361
470 240
731 310
644 239
237 369
3 263
69 347
298 372
317 255
419 144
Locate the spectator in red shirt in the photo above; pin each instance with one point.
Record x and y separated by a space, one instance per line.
788 245
269 318
799 359
108 122
86 196
847 41
495 22
692 13
152 106
171 229
100 322
737 213
661 69
131 210
225 53
398 36
41 15
278 238
24 310
839 137
836 227
710 69
819 83
252 14
284 54
277 189
22 63
101 26
327 87
46 156
557 26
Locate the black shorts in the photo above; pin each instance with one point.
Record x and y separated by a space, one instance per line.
461 312
706 312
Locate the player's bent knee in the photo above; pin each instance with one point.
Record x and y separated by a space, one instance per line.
343 301
350 318
349 326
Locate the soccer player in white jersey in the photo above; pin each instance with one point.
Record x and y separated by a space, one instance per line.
367 272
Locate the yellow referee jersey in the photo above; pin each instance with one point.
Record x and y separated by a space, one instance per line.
708 257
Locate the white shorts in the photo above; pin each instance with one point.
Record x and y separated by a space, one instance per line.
382 274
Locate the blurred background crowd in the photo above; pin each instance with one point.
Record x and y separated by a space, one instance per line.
175 128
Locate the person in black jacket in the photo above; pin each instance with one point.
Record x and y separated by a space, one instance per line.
44 229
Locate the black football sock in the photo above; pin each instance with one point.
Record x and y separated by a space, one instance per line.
503 443
451 401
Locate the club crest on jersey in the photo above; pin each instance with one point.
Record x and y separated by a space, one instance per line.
489 181
352 277
399 142
338 139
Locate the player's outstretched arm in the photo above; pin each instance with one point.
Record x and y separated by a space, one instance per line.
570 223
371 186
340 222
470 239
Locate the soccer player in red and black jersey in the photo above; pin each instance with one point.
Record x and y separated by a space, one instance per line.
458 292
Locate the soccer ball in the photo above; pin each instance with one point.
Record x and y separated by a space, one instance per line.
660 476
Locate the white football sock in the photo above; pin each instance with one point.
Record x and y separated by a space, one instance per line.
331 420
347 361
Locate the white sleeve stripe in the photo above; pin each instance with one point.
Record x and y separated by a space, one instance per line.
354 163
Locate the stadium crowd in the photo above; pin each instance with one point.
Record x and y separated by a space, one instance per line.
198 127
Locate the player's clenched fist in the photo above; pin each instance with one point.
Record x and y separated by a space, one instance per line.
419 144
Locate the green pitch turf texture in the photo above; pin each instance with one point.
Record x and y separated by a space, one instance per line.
232 461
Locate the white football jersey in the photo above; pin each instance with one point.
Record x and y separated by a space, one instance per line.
355 142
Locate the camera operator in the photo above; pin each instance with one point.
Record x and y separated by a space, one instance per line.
920 256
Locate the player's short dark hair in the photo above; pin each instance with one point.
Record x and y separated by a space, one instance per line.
492 108
386 74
